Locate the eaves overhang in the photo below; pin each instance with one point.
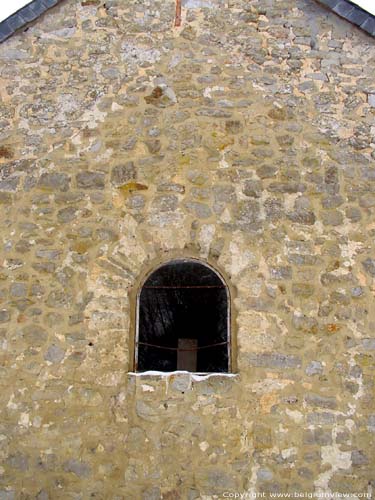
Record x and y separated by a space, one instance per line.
352 13
344 8
23 16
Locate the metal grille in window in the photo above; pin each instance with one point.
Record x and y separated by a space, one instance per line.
183 320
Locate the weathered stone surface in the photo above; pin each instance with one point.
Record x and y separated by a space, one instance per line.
7 495
54 354
161 97
359 458
80 469
153 146
248 212
369 266
233 126
264 474
151 493
302 217
4 315
67 214
303 290
165 203
18 289
321 418
281 273
252 189
34 335
54 181
243 138
314 368
318 436
123 173
368 344
90 180
18 461
200 210
320 401
273 360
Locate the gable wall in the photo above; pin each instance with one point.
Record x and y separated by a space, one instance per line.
258 158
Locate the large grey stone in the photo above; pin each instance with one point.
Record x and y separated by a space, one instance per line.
321 401
4 315
48 254
42 495
214 113
18 461
201 210
54 354
217 481
123 173
369 344
264 474
369 265
281 273
302 217
359 458
9 184
248 212
54 181
199 4
80 469
273 360
314 368
371 423
7 495
58 298
153 493
371 100
34 335
67 214
18 289
321 418
317 436
90 180
286 187
165 203
252 188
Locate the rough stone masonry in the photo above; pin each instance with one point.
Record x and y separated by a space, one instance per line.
244 138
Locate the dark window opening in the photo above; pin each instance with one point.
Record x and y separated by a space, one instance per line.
183 320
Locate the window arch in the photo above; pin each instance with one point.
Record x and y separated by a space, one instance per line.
183 319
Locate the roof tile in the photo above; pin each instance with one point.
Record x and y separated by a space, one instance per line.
5 31
369 25
37 7
357 16
31 11
330 3
352 13
23 16
27 15
343 8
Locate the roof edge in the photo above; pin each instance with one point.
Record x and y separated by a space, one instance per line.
344 8
23 16
352 13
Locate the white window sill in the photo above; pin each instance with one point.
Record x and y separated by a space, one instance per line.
196 376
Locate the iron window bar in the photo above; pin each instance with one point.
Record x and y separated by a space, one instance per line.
183 349
182 286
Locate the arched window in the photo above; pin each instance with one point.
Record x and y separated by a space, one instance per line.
183 319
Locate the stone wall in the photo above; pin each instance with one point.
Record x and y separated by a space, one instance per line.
244 138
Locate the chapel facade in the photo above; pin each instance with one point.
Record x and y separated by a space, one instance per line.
236 136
